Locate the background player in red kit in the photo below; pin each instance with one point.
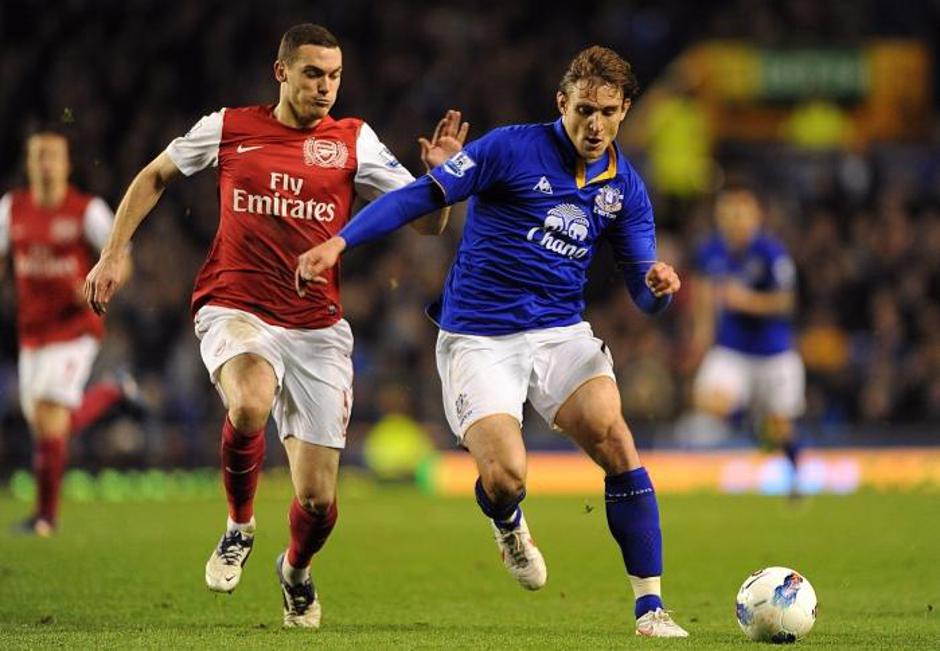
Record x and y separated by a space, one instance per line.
288 176
50 230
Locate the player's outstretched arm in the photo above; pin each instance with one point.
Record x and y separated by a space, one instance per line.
447 140
387 213
112 268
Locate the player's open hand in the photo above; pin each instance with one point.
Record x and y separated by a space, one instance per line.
662 280
104 279
312 263
447 140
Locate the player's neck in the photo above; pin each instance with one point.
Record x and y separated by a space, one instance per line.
284 114
48 195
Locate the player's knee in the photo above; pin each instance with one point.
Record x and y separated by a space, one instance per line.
249 414
778 429
504 482
611 445
316 501
715 404
50 420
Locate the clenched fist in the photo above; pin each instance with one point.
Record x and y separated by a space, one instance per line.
662 280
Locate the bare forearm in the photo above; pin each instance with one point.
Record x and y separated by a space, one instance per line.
763 303
142 195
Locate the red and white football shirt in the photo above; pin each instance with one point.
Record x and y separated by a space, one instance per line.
281 191
53 250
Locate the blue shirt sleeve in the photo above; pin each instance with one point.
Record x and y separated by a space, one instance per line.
709 259
474 169
392 211
633 237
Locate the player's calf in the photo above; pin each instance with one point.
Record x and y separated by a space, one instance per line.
633 519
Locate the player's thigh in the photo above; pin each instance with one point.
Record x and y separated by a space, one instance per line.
481 377
248 383
56 373
564 360
316 397
313 470
593 419
780 386
245 348
723 382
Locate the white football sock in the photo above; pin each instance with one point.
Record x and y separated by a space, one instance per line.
294 575
645 586
245 528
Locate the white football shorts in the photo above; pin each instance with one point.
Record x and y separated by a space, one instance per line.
768 385
482 375
313 368
56 372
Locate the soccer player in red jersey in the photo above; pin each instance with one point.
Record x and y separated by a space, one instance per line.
288 175
51 230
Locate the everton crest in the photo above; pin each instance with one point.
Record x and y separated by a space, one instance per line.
608 201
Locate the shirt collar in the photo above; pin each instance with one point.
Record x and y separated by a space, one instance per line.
577 164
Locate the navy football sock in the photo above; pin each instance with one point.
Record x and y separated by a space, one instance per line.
506 515
647 603
633 518
792 451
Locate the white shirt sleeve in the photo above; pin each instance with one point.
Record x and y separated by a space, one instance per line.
378 170
97 222
199 148
6 202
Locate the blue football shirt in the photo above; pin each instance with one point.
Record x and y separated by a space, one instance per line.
535 217
764 266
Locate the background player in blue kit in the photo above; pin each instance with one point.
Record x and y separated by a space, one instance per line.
745 294
541 198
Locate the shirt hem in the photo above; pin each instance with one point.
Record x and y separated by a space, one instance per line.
280 323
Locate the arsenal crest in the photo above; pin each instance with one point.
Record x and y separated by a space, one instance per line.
64 229
325 153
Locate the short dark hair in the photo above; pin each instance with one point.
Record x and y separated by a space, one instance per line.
304 34
59 128
600 63
736 181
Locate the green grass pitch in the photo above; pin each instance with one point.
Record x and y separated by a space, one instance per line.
407 570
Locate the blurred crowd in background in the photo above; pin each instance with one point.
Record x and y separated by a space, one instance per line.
862 219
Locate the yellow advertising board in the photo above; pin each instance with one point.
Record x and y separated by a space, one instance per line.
842 470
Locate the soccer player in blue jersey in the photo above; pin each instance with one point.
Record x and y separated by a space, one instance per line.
542 196
745 294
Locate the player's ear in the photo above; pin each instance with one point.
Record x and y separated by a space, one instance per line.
627 103
561 100
280 71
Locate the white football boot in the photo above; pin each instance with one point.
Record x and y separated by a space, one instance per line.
301 606
658 623
224 568
520 555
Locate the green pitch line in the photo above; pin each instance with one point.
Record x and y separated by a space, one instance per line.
406 570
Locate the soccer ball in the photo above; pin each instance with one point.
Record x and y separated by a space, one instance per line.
776 604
